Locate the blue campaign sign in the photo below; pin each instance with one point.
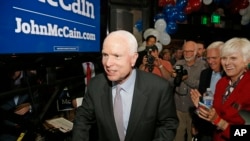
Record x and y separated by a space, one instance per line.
49 26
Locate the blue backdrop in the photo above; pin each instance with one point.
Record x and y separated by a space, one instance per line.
49 26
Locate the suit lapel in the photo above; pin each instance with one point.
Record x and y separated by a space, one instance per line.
138 104
107 107
209 76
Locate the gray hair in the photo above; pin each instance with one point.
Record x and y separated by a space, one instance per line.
216 44
127 37
236 44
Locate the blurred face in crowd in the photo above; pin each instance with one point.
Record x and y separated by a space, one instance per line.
179 54
213 59
151 41
233 64
166 55
200 50
119 56
189 51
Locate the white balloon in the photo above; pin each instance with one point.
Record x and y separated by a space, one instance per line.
159 46
137 35
160 25
244 22
165 39
243 11
246 17
151 31
141 48
207 2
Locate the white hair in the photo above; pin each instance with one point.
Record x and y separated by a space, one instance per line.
236 44
216 44
127 37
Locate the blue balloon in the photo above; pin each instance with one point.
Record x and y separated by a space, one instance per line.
171 27
181 16
138 25
171 16
181 4
159 16
168 9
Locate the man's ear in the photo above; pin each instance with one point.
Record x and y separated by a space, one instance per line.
134 58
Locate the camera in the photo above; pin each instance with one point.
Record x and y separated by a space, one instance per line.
180 72
150 60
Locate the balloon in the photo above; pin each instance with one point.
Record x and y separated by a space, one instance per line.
138 25
151 31
137 34
235 6
171 27
181 17
162 3
207 2
168 9
246 17
243 11
188 9
171 2
244 22
172 15
159 16
195 4
165 38
142 47
181 4
159 46
160 25
243 4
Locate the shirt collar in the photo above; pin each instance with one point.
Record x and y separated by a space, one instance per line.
127 84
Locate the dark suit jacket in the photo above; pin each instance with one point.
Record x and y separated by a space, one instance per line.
152 117
205 79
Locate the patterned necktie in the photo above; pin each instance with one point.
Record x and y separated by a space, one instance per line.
88 72
118 113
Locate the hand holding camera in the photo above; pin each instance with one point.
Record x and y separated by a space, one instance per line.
179 75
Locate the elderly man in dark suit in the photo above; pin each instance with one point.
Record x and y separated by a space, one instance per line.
147 106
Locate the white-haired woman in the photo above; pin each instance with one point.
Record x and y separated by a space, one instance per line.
231 93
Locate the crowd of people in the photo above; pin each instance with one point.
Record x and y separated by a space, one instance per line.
176 82
156 93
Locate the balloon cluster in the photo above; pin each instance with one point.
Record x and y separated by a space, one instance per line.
171 14
156 34
244 10
176 11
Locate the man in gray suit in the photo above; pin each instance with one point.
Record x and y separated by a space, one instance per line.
148 108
